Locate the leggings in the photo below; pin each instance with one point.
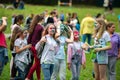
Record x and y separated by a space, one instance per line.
36 66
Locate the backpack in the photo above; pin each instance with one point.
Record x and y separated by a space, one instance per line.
39 48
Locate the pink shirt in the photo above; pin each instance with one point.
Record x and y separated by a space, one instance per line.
70 53
2 40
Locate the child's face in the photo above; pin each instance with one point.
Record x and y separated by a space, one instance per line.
25 34
51 29
76 36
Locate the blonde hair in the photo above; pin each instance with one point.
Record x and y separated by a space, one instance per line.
101 29
45 32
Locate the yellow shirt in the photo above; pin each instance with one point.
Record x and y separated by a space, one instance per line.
87 26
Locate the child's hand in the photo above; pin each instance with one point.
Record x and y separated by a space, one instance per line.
69 65
4 18
118 56
29 46
97 49
85 47
84 66
43 39
91 46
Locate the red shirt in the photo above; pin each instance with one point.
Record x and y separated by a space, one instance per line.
2 40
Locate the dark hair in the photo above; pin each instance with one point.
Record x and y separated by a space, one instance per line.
98 15
109 25
17 18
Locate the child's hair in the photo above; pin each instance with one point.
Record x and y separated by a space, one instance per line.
74 15
18 18
109 25
98 15
16 33
45 32
102 28
35 21
75 32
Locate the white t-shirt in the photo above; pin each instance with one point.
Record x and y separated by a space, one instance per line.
48 54
22 56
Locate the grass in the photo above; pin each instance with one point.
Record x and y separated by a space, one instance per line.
86 74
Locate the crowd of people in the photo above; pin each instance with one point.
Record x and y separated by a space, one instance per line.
62 36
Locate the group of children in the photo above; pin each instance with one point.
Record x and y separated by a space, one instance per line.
56 34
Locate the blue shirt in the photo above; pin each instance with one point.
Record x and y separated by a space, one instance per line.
61 52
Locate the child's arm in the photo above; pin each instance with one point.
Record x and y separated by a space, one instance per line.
19 50
86 46
107 47
4 24
119 53
69 55
83 60
69 40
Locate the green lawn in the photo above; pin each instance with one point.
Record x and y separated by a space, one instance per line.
86 74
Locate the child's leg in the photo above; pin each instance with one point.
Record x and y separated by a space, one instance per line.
96 70
46 71
21 74
102 72
74 71
13 68
78 69
36 66
62 70
55 70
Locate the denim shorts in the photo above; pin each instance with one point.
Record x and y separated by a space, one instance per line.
102 58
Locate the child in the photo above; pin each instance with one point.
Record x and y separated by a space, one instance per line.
22 58
60 63
76 56
101 45
47 59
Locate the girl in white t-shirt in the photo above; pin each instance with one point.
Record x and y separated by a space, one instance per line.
22 58
47 59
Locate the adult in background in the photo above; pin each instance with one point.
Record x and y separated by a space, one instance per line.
114 52
16 4
21 4
105 4
110 6
87 29
3 45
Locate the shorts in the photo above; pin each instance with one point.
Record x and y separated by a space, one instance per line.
102 58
